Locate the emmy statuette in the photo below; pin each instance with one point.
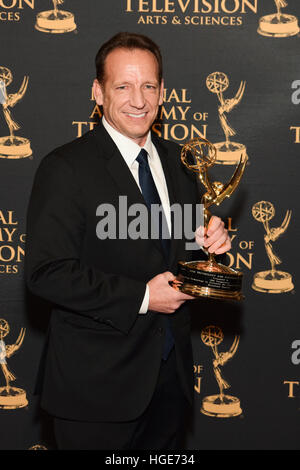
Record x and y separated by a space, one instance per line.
55 21
10 397
209 278
221 405
12 146
271 281
228 152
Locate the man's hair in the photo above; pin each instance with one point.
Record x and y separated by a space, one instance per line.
126 41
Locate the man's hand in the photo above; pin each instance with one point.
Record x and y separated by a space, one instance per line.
215 237
162 297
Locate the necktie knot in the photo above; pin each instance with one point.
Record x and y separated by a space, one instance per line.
142 158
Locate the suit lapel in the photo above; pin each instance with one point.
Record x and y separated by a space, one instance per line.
119 171
172 184
117 167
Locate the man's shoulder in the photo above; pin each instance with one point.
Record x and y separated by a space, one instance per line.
165 142
73 153
170 146
74 147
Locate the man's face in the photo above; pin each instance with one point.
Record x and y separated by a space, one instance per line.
131 93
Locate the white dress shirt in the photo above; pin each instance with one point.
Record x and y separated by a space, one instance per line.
129 151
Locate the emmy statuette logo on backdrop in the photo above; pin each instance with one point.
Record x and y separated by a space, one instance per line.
278 25
12 146
10 397
55 21
271 281
228 153
221 405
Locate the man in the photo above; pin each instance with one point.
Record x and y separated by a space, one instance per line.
118 369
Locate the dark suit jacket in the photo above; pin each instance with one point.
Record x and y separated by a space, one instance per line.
102 356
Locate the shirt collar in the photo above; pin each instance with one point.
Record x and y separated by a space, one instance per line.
128 149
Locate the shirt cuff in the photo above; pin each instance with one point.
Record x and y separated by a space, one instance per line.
145 303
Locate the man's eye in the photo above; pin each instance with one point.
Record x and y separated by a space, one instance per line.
122 87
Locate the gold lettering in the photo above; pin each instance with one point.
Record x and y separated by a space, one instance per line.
12 4
8 269
236 7
129 6
184 97
168 115
229 226
20 252
173 96
247 3
143 3
155 9
10 249
30 3
239 258
217 8
231 259
181 127
9 220
208 5
79 127
182 112
183 6
297 133
197 386
8 232
92 124
291 384
96 112
195 6
196 132
156 128
168 4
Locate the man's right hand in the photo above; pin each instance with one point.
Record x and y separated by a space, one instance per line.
162 297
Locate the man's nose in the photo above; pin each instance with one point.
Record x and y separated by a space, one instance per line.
137 99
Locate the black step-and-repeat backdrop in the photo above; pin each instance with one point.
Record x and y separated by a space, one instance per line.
232 75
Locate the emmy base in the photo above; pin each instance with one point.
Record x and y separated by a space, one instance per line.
271 26
221 406
274 282
229 153
203 279
12 398
17 147
48 22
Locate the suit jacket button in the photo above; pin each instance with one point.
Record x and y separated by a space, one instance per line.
160 331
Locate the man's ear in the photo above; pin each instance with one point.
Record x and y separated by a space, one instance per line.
97 92
161 93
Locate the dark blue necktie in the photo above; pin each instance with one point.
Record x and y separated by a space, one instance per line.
151 196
